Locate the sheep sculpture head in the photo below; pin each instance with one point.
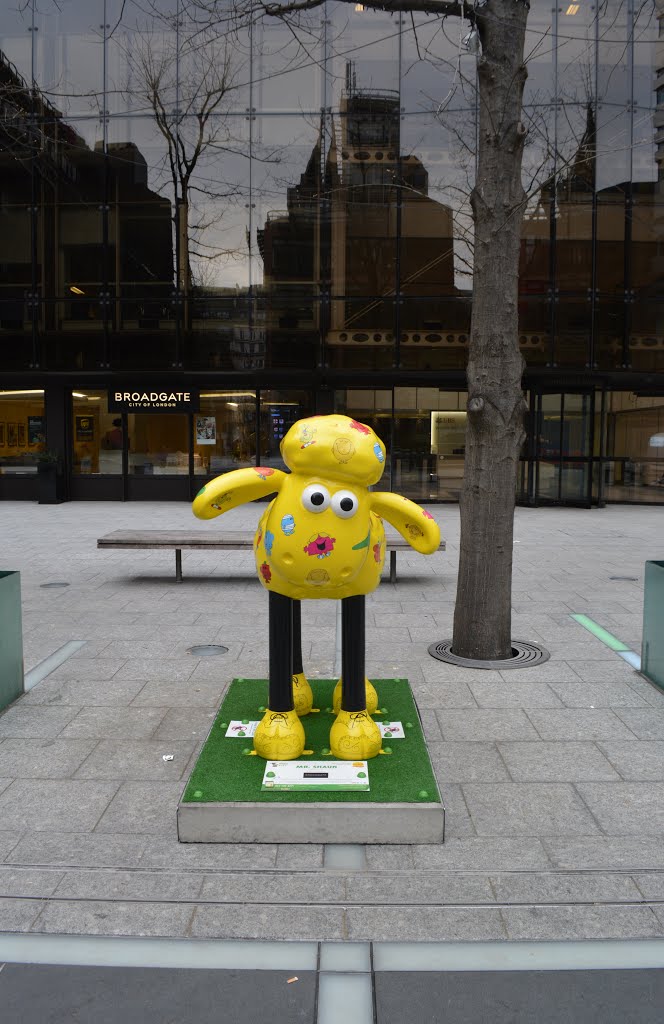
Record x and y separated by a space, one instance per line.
322 535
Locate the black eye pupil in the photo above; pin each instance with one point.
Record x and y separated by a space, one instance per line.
346 504
317 498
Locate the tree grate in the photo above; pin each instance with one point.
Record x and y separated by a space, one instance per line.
524 655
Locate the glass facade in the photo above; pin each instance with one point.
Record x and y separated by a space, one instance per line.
281 217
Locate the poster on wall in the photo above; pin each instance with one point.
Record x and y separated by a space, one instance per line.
206 430
85 428
36 432
20 434
11 435
2 435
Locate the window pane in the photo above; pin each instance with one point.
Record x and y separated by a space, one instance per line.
22 431
279 410
158 444
97 436
224 432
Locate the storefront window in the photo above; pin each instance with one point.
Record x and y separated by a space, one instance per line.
279 410
224 432
97 435
635 446
158 444
22 431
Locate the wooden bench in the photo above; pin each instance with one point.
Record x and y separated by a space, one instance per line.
237 541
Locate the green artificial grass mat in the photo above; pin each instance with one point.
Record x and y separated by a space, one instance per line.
225 773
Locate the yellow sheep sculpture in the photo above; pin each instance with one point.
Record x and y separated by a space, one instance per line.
322 536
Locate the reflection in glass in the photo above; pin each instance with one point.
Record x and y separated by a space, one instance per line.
98 437
636 469
278 411
22 431
224 432
158 444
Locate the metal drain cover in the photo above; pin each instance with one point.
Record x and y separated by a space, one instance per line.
524 655
629 579
207 650
45 586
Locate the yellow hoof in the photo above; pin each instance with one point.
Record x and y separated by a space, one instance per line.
279 736
354 736
303 698
370 690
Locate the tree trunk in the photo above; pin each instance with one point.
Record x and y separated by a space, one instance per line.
494 431
184 262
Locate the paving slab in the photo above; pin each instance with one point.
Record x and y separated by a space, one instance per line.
78 849
110 917
581 922
303 887
634 761
299 857
46 805
609 694
467 762
139 884
82 693
483 854
269 922
602 852
578 724
625 808
486 724
169 853
424 924
423 889
514 694
141 760
35 722
19 915
645 724
565 887
103 723
146 808
540 809
555 762
28 882
43 758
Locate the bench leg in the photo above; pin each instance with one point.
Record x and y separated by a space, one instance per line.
393 566
178 565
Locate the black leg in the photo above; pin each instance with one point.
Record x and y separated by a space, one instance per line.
178 566
281 652
297 638
353 694
393 566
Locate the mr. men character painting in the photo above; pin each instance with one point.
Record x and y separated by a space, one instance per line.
321 537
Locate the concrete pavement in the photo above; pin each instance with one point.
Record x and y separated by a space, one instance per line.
552 777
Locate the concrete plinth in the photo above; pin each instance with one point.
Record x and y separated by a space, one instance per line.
311 823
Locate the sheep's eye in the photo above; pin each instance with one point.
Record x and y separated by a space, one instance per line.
344 504
315 498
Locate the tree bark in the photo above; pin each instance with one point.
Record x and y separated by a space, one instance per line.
495 422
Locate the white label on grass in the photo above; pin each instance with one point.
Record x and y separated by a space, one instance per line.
316 775
242 729
391 730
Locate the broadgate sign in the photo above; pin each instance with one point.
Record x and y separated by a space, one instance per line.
153 401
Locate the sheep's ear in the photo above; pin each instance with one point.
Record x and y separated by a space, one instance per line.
413 523
236 488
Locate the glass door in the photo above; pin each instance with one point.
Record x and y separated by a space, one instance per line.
563 447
